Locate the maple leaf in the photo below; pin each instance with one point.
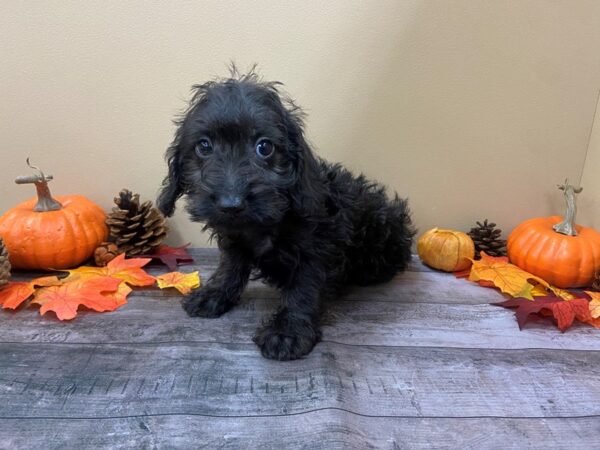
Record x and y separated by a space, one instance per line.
594 303
66 298
119 297
564 311
492 271
171 256
128 270
184 283
16 292
504 275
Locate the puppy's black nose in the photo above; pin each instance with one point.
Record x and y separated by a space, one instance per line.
230 204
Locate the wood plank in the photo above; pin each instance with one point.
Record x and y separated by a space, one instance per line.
417 283
327 429
101 381
412 287
148 319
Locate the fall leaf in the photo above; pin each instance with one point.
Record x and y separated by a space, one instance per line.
594 303
505 276
564 311
16 292
184 283
128 270
88 291
119 297
171 256
492 271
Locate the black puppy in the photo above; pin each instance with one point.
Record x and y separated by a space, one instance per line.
305 226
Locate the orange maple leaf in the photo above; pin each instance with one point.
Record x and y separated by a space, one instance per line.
183 282
65 299
16 292
128 270
119 297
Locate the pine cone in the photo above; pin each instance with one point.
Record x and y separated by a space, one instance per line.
596 282
487 238
4 264
135 228
105 253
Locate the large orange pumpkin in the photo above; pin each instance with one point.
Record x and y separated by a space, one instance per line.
559 251
49 233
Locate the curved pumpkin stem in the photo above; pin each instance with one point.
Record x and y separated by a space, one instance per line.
567 226
45 201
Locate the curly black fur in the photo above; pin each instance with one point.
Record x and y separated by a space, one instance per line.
305 226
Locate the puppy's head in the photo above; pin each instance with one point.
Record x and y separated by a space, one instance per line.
240 157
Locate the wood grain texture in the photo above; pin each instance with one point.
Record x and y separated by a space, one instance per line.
106 380
319 430
421 362
146 320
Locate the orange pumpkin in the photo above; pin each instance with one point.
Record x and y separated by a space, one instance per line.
48 233
559 251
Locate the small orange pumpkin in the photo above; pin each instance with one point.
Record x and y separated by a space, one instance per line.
446 250
559 251
48 233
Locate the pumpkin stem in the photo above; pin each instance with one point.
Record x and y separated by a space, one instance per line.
45 201
567 226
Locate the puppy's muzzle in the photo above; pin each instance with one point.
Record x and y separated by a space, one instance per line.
231 204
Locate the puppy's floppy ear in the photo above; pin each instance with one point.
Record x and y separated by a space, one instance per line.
172 187
307 194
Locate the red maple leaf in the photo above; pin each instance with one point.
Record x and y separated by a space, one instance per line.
564 311
171 256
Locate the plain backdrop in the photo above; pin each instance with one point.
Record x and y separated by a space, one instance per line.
471 109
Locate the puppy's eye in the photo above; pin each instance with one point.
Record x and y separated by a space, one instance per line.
264 148
204 148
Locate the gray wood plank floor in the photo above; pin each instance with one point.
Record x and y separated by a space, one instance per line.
421 362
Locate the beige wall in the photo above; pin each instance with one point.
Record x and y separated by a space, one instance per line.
472 109
589 199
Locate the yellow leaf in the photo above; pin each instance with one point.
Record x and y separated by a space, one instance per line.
184 283
539 291
507 277
594 303
561 293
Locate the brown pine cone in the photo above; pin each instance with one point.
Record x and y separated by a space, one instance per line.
105 253
135 228
4 264
596 282
486 237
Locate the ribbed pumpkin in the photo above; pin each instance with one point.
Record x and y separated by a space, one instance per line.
49 233
559 251
446 250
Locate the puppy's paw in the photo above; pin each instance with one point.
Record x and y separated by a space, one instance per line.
292 341
207 302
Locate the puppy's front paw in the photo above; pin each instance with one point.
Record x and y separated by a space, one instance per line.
207 302
289 340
